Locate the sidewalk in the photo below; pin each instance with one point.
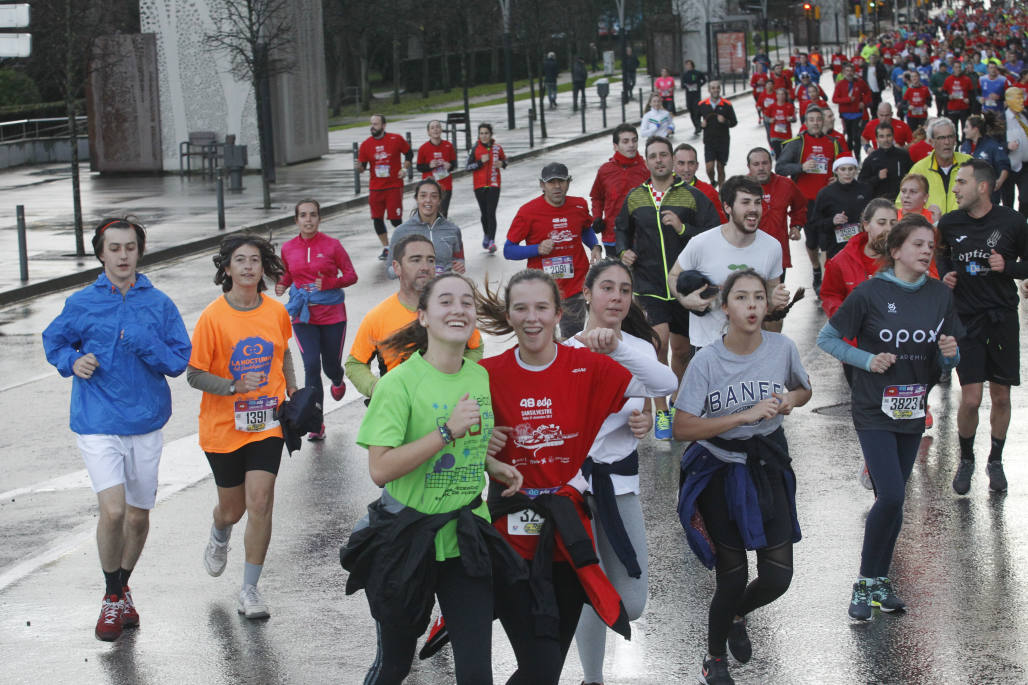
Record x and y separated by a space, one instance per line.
180 212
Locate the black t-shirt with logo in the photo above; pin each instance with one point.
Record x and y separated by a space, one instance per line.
965 245
886 317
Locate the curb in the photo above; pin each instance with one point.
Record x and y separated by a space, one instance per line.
192 247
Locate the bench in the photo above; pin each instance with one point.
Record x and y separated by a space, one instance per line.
202 144
457 121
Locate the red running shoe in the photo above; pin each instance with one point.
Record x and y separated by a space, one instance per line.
317 437
108 626
129 615
929 420
338 391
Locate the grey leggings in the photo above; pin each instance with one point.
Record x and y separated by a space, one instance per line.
591 635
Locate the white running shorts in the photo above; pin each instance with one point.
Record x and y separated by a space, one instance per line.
129 460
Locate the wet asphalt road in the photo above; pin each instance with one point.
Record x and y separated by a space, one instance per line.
961 562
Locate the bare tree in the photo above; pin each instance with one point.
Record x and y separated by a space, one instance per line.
257 38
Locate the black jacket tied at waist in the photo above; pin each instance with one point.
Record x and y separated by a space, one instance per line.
763 453
392 559
605 503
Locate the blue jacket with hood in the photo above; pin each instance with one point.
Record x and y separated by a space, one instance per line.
138 339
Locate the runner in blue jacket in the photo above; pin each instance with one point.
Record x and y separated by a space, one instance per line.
119 337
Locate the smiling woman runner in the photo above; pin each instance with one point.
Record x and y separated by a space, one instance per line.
427 432
906 327
738 490
241 362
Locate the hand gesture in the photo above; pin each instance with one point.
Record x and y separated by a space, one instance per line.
280 289
883 174
483 158
640 423
85 365
504 473
596 254
628 257
810 166
950 279
785 405
669 218
882 362
696 303
765 409
996 261
794 233
250 381
498 440
779 296
599 340
316 284
464 416
839 219
948 346
546 247
936 213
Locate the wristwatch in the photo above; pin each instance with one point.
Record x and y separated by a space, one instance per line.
444 431
232 388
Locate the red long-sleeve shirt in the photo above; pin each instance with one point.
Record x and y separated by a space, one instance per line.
321 256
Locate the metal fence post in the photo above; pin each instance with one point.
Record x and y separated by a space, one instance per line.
23 254
410 144
623 110
221 202
641 110
531 127
356 171
603 109
583 117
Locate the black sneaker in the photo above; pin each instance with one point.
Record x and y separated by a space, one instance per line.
715 672
884 597
385 254
817 283
997 479
962 480
860 604
739 642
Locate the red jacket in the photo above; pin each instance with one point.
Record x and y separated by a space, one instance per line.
845 271
782 197
901 133
486 174
852 96
712 195
614 179
322 256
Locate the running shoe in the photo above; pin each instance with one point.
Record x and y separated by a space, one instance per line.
865 478
929 420
662 425
997 479
108 626
962 479
860 604
739 642
317 437
438 636
492 247
715 672
215 556
884 596
385 254
338 391
817 283
129 615
251 604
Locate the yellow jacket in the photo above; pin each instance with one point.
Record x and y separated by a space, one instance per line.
937 193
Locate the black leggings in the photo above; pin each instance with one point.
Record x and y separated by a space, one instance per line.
732 596
488 198
853 128
380 225
467 604
540 659
890 459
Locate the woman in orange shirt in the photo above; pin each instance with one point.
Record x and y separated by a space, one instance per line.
241 362
913 197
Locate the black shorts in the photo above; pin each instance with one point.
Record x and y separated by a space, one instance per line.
716 151
230 468
991 349
811 237
665 311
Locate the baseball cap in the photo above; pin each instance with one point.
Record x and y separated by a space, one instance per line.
554 170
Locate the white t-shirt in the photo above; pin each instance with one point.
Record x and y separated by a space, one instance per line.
716 258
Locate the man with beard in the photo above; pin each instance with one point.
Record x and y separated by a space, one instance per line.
686 165
736 244
414 263
656 222
781 197
614 179
983 248
382 152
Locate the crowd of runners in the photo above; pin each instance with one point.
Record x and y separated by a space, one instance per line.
510 482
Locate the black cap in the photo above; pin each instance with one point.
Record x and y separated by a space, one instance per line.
554 170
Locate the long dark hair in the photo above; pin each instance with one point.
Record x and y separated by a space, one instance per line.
492 308
899 233
414 337
635 322
272 265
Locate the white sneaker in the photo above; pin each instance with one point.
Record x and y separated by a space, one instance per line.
865 478
215 556
251 604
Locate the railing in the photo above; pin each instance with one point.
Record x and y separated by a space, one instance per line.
31 129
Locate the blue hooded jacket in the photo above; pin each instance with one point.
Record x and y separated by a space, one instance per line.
138 339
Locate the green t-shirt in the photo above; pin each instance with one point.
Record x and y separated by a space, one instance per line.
413 400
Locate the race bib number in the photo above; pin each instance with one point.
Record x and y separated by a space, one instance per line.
917 111
779 128
820 164
559 267
901 402
441 172
958 94
845 232
525 522
256 416
382 170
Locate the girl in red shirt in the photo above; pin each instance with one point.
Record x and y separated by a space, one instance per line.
486 160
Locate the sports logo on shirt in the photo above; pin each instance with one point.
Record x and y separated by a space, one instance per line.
993 239
536 438
251 355
892 308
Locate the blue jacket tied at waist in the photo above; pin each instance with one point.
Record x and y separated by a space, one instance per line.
301 299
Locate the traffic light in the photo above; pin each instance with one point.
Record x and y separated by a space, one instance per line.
808 10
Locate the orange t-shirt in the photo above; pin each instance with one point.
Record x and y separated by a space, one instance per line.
385 319
229 343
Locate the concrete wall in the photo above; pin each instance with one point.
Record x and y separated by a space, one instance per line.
40 151
695 15
198 91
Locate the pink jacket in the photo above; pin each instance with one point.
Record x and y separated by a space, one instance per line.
323 256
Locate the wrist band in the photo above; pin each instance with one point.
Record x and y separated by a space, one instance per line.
444 431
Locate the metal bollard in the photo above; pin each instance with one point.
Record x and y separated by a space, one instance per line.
531 127
221 202
583 118
603 109
410 144
23 250
356 171
641 110
623 117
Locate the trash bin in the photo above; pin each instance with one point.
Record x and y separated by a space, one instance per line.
602 88
235 161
